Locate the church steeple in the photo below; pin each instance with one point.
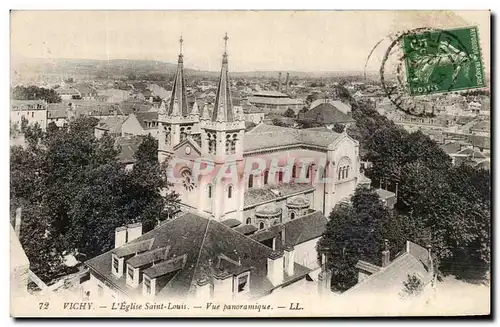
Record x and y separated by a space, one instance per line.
178 105
223 107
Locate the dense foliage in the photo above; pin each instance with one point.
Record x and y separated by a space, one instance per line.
74 193
445 206
35 93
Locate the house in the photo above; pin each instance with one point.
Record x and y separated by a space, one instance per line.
191 256
128 146
141 123
343 107
252 113
464 153
109 125
388 198
327 115
31 111
481 128
68 93
87 92
389 278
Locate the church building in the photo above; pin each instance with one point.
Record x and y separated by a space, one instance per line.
254 204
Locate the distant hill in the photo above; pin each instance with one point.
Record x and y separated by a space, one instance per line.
90 68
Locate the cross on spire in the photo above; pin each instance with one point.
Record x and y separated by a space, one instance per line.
225 43
181 40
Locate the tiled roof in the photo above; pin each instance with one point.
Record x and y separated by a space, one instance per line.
134 248
231 222
142 117
148 257
246 229
366 266
482 126
327 113
306 228
200 242
112 124
273 101
297 231
128 146
268 136
270 94
261 195
450 148
166 267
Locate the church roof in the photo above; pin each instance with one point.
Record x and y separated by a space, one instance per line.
265 136
178 105
201 243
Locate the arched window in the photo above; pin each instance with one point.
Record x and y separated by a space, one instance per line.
340 173
261 225
308 171
249 221
347 172
266 177
280 177
229 191
294 171
233 143
209 191
250 181
228 144
183 134
292 215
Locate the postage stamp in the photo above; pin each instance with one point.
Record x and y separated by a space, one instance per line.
440 61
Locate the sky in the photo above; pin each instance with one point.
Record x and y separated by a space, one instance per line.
258 40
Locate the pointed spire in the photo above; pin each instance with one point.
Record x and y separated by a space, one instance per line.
223 107
178 105
206 114
194 110
163 108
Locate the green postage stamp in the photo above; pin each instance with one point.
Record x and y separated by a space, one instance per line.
439 61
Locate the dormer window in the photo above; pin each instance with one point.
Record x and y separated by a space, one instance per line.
147 285
130 273
115 265
242 283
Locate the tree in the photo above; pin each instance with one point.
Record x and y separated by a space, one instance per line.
357 232
338 128
412 286
303 110
76 193
289 113
35 93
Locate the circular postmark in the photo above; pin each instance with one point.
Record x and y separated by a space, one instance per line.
422 63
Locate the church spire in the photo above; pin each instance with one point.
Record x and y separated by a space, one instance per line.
178 105
223 107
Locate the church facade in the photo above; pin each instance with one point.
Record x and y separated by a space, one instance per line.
222 171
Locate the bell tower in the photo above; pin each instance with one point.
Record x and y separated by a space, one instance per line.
176 120
222 137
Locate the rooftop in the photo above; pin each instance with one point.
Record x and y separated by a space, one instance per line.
268 193
414 260
327 113
196 243
265 136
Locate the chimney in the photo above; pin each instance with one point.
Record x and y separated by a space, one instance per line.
429 258
203 288
120 236
386 254
289 260
324 277
275 267
279 82
287 81
17 223
134 231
